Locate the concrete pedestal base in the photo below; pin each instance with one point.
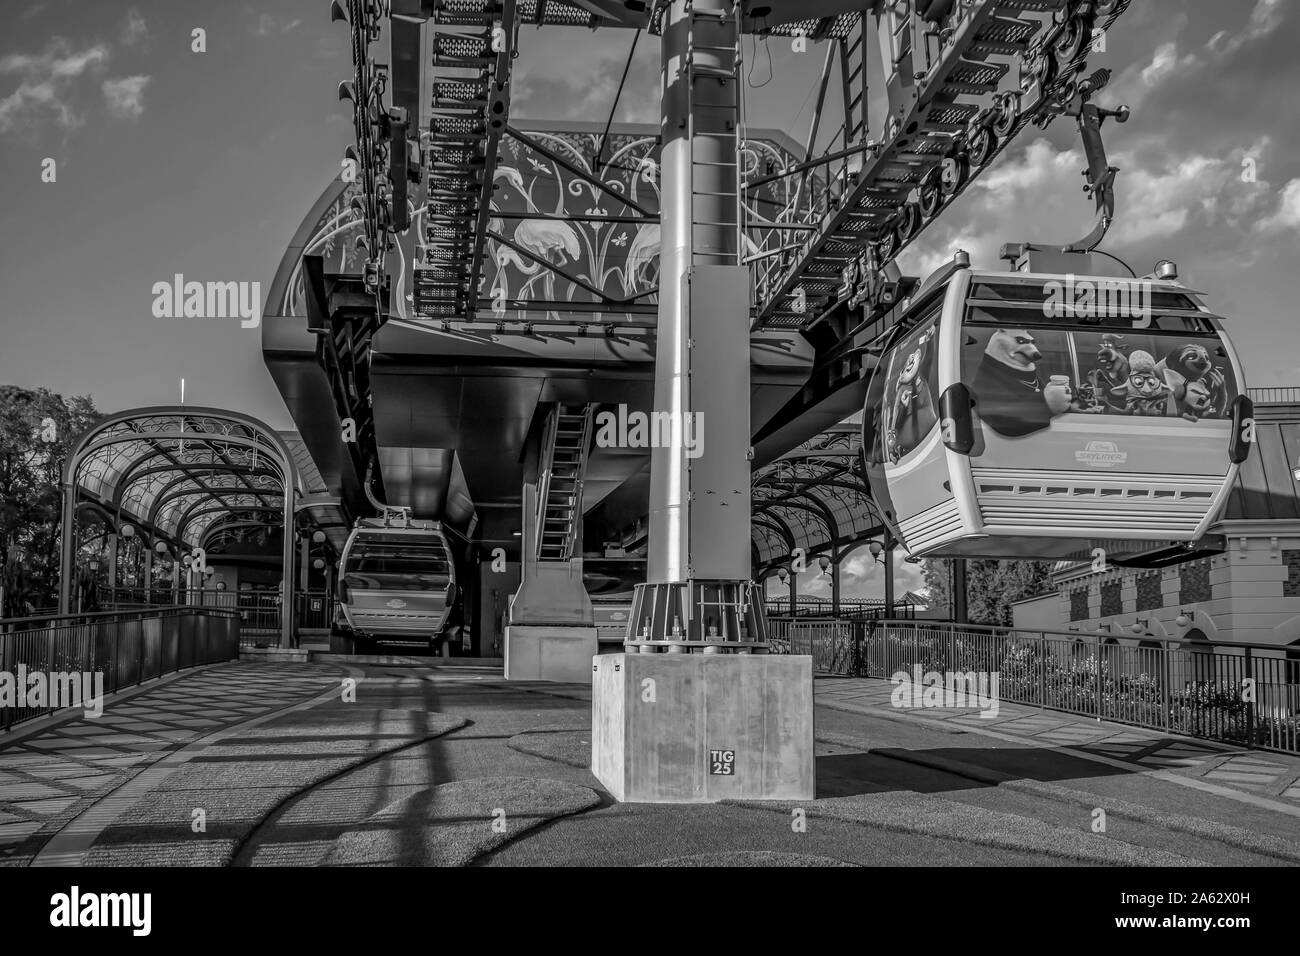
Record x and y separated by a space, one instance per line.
558 653
697 728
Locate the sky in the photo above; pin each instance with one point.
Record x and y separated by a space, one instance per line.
174 161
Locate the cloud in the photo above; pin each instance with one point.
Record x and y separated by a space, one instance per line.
1287 214
125 96
135 30
567 82
46 83
1032 194
268 25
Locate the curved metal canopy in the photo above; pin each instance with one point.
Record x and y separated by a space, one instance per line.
814 498
181 474
174 472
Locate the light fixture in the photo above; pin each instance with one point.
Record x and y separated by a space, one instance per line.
221 585
1166 270
337 12
517 533
1140 625
1184 617
783 574
318 537
824 563
127 531
346 91
318 564
161 547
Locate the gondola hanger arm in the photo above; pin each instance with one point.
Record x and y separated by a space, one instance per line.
1100 175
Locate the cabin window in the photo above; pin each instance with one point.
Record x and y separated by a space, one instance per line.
910 405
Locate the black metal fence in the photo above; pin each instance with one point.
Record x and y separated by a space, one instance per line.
123 647
850 609
258 610
1247 694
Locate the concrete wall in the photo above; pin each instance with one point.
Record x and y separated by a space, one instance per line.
495 589
1040 613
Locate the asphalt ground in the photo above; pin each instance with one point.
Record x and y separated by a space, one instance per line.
428 764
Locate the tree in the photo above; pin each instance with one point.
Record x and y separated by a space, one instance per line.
992 586
37 430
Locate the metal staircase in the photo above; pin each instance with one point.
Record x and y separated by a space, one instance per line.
472 43
559 492
948 117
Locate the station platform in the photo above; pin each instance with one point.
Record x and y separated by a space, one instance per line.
434 762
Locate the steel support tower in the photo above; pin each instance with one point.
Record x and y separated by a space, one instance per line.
697 596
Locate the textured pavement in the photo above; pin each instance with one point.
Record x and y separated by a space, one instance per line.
380 764
50 776
1263 773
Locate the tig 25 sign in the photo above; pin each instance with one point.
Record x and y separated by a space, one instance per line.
722 762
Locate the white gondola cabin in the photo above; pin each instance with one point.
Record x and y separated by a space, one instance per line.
1020 415
397 582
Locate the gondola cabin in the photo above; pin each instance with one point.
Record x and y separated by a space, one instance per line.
1022 415
397 582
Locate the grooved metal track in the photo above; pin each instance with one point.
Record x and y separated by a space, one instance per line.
946 125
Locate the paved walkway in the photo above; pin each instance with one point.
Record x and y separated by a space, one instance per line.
1258 772
50 775
414 763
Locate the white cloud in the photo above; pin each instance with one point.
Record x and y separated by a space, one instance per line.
46 83
1034 195
268 25
1287 215
125 96
135 29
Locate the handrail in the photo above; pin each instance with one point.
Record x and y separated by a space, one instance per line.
1009 630
135 612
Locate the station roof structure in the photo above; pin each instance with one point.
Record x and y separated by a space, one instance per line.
813 497
181 475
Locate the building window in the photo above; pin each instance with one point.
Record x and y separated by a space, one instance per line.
1110 599
1291 587
1079 605
1149 597
1194 582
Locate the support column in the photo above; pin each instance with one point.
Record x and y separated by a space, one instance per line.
698 591
890 546
723 721
67 552
959 610
835 585
112 568
794 592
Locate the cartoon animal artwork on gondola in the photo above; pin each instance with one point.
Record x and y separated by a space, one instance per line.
1145 392
911 413
1199 388
1009 391
1111 372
